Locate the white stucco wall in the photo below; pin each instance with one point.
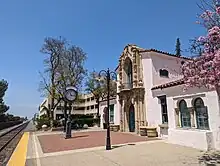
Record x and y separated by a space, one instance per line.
151 114
171 64
200 139
116 111
152 62
117 114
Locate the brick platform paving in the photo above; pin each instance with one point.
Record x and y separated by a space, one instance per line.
80 140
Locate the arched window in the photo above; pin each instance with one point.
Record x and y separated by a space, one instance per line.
128 73
184 114
164 73
201 114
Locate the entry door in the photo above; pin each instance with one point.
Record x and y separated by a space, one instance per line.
131 119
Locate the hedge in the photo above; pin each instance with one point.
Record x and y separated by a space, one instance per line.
4 125
79 116
89 121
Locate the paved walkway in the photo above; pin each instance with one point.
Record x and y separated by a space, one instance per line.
134 151
139 152
82 140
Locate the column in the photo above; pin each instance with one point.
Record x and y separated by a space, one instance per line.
136 114
139 114
122 115
177 117
141 111
192 117
144 111
126 128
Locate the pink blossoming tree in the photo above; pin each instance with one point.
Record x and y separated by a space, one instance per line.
204 71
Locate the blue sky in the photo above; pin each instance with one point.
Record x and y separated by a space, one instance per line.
101 27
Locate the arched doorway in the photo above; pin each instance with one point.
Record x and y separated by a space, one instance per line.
131 119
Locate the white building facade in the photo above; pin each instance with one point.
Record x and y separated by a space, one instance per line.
114 114
150 93
86 105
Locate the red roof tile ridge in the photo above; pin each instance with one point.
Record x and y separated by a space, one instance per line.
169 84
163 52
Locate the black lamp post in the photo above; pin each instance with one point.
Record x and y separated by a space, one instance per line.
65 115
68 124
108 75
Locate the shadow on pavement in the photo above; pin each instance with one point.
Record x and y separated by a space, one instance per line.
119 146
210 158
79 136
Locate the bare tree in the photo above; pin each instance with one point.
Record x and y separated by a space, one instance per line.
54 49
98 87
64 66
71 72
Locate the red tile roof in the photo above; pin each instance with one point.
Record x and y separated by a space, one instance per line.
161 52
169 84
166 53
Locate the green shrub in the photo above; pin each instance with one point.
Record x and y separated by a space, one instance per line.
56 123
96 120
79 116
89 121
44 119
4 125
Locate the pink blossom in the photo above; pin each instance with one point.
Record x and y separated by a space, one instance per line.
207 64
206 47
202 39
214 35
218 10
206 15
209 13
210 86
211 78
214 30
203 72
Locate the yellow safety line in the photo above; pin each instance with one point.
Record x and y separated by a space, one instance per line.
18 157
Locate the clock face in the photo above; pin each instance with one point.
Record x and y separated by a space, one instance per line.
70 94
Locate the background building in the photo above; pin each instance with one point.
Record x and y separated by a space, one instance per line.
85 105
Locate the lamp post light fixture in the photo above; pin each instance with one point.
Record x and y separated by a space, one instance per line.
108 75
70 96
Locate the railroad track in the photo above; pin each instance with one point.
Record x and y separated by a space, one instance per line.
8 142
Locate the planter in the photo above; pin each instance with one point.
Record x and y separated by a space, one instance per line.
44 127
163 126
152 132
163 129
143 130
114 128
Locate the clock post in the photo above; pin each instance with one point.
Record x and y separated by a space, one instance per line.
70 96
